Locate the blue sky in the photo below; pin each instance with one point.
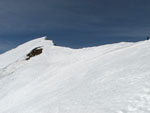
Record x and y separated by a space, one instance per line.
73 23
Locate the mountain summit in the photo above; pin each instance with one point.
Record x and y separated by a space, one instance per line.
39 77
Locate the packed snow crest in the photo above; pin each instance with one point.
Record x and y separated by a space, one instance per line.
39 77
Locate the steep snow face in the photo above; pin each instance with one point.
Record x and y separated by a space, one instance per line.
113 78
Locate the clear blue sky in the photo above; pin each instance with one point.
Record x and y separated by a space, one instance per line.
73 23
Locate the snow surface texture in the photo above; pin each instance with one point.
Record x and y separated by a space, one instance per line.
112 78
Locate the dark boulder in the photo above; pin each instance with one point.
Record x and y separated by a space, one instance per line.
34 52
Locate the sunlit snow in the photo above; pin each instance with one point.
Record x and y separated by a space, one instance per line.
113 78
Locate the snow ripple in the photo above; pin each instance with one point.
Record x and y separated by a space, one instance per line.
140 103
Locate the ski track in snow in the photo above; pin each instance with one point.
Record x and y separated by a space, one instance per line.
11 68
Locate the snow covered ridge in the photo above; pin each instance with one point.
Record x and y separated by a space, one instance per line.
23 49
113 78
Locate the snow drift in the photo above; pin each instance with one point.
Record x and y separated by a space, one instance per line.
112 78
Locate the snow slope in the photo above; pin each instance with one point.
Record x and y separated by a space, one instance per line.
112 78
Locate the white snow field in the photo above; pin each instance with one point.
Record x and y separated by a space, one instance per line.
113 78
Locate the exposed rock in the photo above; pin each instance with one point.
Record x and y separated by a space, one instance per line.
34 52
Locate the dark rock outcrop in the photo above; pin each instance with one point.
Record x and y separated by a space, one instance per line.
34 52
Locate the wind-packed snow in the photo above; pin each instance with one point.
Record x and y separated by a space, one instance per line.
112 78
